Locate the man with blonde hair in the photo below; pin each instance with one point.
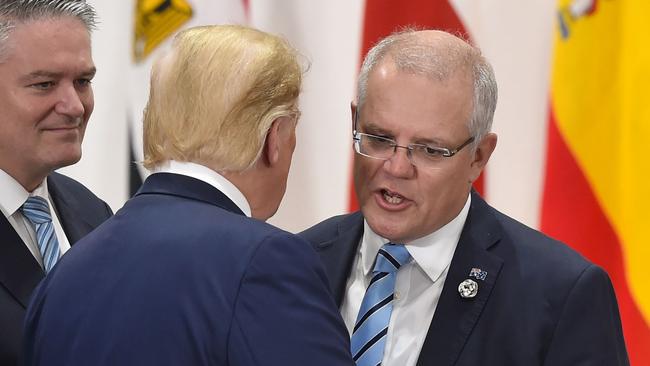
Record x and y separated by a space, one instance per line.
187 272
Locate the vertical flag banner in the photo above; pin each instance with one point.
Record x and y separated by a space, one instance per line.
155 23
598 170
383 17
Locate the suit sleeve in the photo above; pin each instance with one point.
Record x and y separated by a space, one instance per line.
589 330
284 313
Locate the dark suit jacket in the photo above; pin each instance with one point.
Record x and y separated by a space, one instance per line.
179 276
79 212
541 303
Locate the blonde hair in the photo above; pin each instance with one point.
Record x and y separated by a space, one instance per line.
214 97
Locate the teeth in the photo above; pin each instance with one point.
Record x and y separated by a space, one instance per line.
393 199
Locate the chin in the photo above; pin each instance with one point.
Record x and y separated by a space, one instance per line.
65 160
386 228
71 159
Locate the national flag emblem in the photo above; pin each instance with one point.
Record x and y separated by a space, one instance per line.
478 273
155 21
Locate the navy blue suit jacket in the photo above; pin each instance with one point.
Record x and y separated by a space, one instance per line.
79 212
179 276
541 303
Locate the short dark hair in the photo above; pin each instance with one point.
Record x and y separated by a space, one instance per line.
13 12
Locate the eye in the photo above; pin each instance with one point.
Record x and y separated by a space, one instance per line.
433 152
44 85
376 140
84 82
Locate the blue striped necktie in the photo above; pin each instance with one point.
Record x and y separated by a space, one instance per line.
37 211
369 335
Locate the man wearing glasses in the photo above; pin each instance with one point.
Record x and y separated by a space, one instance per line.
427 273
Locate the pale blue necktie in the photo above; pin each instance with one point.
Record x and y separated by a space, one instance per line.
37 211
369 335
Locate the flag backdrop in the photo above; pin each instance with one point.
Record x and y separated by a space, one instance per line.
154 24
595 194
598 131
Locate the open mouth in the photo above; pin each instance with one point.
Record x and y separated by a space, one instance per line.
392 198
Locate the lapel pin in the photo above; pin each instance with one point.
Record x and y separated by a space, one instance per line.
478 273
468 289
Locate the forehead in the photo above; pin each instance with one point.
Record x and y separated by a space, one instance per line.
62 42
417 105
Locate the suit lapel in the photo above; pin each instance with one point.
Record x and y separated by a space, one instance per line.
338 254
68 209
187 187
455 316
19 271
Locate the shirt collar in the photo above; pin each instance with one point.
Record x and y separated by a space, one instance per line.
209 176
433 253
14 194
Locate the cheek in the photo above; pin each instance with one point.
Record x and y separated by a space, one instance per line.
88 103
440 185
361 175
293 143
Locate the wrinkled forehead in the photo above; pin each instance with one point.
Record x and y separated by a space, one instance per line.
416 106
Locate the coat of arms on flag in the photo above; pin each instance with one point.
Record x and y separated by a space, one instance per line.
155 20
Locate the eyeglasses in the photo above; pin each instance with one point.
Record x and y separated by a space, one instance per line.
378 147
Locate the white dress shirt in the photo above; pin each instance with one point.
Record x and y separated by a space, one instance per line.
417 287
209 176
12 198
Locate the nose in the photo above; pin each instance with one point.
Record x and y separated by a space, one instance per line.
399 165
69 103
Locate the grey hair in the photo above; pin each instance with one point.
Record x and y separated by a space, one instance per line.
417 55
13 12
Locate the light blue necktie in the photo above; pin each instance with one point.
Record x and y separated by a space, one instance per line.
369 335
37 211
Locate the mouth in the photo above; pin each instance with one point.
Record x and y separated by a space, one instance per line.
63 128
391 200
391 197
73 124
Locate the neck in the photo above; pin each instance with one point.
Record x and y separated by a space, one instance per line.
29 181
252 184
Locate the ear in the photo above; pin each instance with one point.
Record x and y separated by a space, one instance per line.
272 144
353 110
482 155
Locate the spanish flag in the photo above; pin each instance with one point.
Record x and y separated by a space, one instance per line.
598 161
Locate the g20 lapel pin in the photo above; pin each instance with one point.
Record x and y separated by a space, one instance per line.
468 289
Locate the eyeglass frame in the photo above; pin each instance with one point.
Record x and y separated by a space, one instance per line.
445 152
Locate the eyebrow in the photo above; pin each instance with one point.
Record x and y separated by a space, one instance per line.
55 75
373 128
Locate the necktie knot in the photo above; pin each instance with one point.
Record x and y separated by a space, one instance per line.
391 257
36 210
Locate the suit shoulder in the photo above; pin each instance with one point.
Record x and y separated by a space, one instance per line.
540 252
332 227
64 188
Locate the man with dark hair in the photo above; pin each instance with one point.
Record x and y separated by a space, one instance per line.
45 101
